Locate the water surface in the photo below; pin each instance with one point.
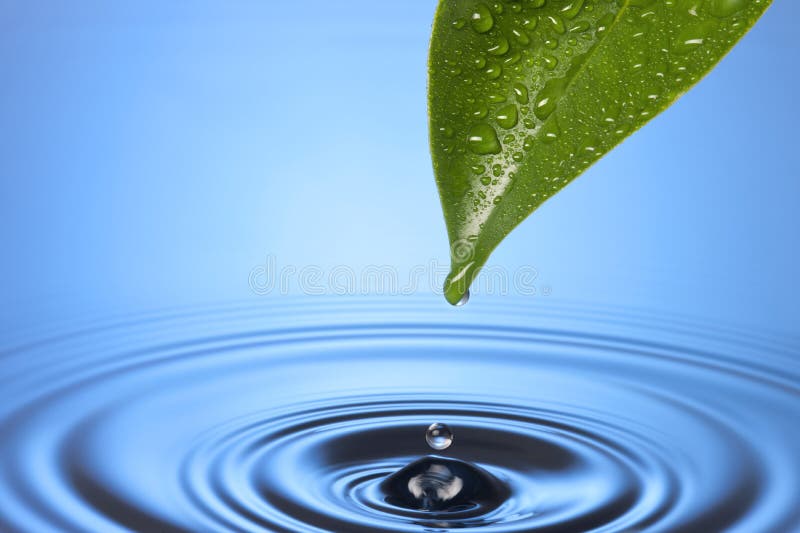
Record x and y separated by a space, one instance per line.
288 416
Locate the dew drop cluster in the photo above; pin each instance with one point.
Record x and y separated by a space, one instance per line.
535 91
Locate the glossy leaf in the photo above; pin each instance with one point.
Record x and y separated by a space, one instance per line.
524 95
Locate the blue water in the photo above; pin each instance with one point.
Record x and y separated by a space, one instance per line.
288 416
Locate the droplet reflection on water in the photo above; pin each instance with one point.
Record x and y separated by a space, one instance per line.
439 436
298 415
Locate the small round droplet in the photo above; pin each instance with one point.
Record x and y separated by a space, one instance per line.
439 436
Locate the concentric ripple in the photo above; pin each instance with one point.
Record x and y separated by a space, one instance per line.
288 417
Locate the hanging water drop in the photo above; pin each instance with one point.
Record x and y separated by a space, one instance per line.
461 303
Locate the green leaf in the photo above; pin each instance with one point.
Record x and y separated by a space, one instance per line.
524 95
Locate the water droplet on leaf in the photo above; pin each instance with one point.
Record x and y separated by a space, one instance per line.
557 24
548 98
521 92
572 8
481 19
726 8
521 37
507 116
493 71
691 38
500 47
483 140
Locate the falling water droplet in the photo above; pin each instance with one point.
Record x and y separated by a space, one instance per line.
439 436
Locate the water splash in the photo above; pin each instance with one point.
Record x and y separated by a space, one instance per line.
454 490
292 418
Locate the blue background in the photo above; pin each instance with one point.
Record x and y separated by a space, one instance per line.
153 153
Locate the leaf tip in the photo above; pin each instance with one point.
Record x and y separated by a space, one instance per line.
456 286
